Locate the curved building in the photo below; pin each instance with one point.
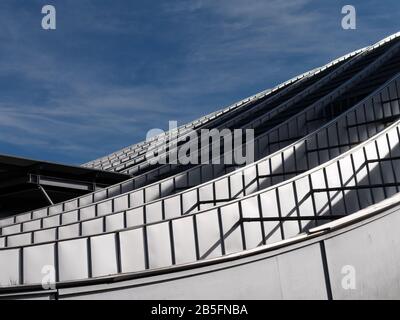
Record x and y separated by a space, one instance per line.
313 216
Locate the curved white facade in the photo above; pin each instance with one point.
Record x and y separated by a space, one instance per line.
302 221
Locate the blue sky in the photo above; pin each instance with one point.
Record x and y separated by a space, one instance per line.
115 69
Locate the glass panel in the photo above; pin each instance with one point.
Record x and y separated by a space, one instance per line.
104 256
19 240
85 200
152 192
38 259
51 221
172 207
167 187
39 213
322 139
272 232
263 168
23 217
206 172
318 179
9 266
290 229
288 209
115 222
92 227
250 179
394 142
31 225
194 177
231 228
44 235
189 201
347 171
88 212
11 229
121 203
185 248
370 151
250 208
104 208
268 204
352 131
180 181
134 217
100 195
71 205
236 185
114 190
252 233
360 167
312 155
127 186
5 222
287 201
222 189
154 212
158 239
283 131
206 206
289 160
209 235
132 250
375 173
70 231
333 138
137 198
277 167
337 203
263 143
321 203
205 192
69 217
332 175
270 209
361 119
273 136
383 147
73 259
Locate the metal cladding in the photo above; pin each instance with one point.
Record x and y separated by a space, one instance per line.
314 216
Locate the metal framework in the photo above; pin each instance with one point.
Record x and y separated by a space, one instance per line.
327 166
